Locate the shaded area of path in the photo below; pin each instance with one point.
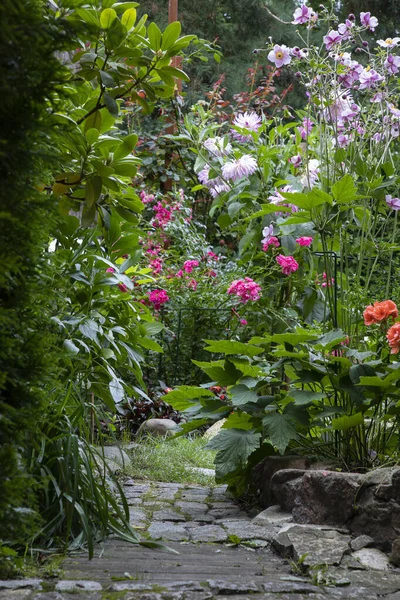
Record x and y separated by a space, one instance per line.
221 553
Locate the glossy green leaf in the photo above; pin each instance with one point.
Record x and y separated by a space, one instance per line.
107 16
170 35
129 18
155 37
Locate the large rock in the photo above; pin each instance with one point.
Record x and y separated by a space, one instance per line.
312 545
114 457
372 558
263 472
284 487
160 427
327 497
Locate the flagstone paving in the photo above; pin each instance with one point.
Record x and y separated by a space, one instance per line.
217 552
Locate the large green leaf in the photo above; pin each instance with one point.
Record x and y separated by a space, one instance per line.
241 395
232 347
183 397
155 37
293 338
331 339
344 190
304 397
280 430
239 420
348 421
234 446
170 35
223 374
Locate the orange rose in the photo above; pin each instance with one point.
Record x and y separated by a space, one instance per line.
393 336
380 311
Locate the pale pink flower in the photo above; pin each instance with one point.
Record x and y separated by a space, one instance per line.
306 128
280 55
248 120
389 42
392 202
288 263
304 241
368 78
345 29
242 167
245 289
368 21
218 146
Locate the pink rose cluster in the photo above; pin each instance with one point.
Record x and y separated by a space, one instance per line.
158 298
288 263
189 265
245 289
304 241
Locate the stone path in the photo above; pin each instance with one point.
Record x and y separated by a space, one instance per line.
220 551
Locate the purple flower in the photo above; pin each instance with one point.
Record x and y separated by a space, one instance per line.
368 78
393 110
306 128
392 202
343 140
392 63
389 42
303 14
296 161
217 146
300 54
242 167
332 38
345 29
368 21
216 185
280 55
248 120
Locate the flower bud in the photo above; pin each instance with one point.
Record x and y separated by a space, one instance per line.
351 17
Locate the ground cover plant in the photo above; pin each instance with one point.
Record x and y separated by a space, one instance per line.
315 203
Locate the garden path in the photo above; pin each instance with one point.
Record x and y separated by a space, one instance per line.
221 553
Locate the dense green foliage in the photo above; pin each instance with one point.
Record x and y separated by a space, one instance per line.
29 74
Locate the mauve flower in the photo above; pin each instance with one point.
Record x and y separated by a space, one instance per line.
345 29
306 128
110 270
243 322
389 42
393 110
280 55
296 52
392 63
343 140
368 21
242 167
123 287
368 78
288 263
218 146
296 161
392 202
248 120
304 241
393 337
302 15
332 38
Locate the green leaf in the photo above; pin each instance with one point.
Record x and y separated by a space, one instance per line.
88 216
155 37
107 79
310 200
234 446
92 135
232 347
93 121
116 390
346 422
111 104
70 347
129 18
93 190
344 190
174 72
150 344
128 144
107 16
170 35
216 372
239 420
331 339
304 397
242 395
280 430
298 337
152 327
182 397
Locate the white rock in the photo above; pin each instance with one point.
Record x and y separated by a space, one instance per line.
213 430
372 558
161 427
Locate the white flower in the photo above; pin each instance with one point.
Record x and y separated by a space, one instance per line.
218 146
242 167
389 42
